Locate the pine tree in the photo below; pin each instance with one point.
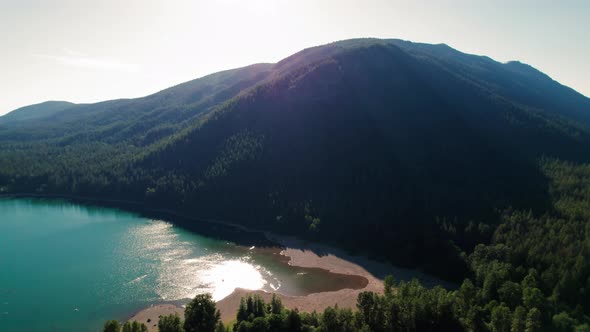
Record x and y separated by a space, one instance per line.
533 321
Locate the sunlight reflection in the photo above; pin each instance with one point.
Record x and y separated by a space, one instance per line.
181 270
228 275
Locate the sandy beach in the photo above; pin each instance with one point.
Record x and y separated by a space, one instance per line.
150 316
299 254
305 254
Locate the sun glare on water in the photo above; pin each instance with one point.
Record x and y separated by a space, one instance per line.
181 269
231 274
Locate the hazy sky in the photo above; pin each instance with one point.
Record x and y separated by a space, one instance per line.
86 51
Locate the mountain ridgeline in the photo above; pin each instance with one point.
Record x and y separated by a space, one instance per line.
410 152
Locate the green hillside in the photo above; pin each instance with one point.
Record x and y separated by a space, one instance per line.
415 153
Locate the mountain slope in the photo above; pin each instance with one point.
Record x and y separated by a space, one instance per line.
137 121
378 113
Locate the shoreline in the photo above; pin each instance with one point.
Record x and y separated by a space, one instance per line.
302 253
298 252
228 306
134 206
141 208
275 239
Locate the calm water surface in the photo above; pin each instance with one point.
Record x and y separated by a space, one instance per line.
68 267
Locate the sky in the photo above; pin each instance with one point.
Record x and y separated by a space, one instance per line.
87 51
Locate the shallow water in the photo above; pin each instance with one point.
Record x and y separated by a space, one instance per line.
69 267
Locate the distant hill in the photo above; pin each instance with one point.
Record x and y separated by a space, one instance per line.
35 112
350 142
141 119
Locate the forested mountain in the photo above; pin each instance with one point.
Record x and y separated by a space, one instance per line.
136 122
411 152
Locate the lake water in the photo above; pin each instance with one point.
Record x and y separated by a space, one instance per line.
69 267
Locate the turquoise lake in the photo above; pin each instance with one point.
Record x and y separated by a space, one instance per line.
70 267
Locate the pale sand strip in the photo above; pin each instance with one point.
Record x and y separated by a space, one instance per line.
154 312
228 306
345 298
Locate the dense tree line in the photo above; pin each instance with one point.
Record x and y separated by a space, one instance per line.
532 275
115 326
404 306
